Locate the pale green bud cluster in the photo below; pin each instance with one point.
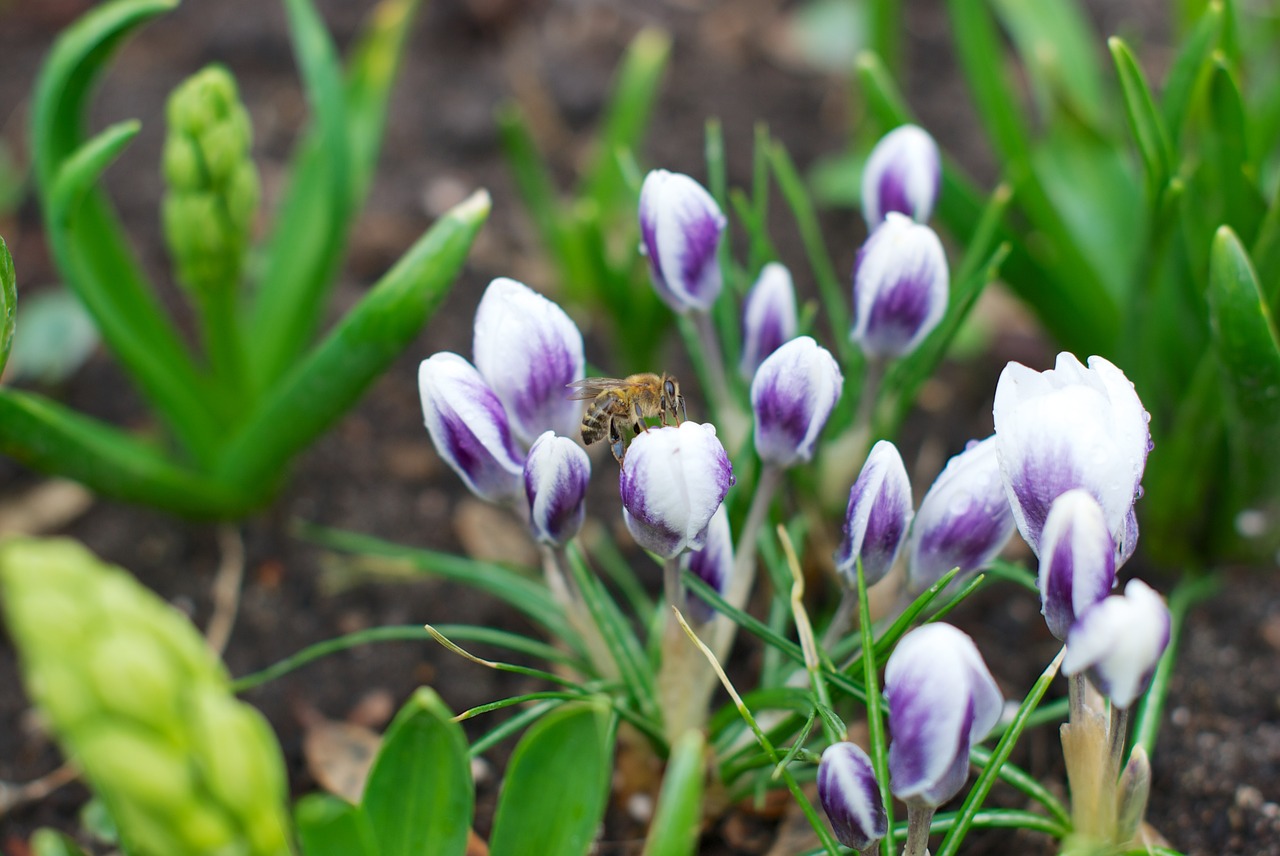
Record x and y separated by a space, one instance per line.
142 707
212 183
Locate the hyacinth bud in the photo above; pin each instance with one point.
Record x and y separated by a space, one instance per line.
768 317
527 349
712 563
1119 641
877 518
213 189
902 174
680 229
672 481
942 699
469 428
792 395
555 482
1077 560
900 287
964 520
136 698
1066 428
850 796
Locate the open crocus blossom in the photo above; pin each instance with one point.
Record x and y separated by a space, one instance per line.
712 563
902 174
672 481
680 229
555 482
850 796
468 427
528 349
964 520
768 317
1066 428
792 395
1119 641
877 518
1077 560
942 700
900 287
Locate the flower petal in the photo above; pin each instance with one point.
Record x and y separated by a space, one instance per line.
900 287
792 394
1077 560
902 174
850 796
1120 642
712 563
768 317
680 227
877 517
556 474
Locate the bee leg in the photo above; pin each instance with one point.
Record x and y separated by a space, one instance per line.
616 444
683 413
640 424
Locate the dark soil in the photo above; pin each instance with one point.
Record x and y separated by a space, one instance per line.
1217 768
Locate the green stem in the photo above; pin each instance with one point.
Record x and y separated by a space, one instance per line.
875 718
224 345
918 817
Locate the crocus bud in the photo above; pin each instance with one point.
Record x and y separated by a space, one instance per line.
902 174
1065 428
1119 641
527 349
964 520
1132 794
792 395
900 287
672 481
877 518
555 482
469 428
768 317
712 563
850 796
680 227
942 700
1077 560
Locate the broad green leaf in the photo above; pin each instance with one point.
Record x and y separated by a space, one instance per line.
329 826
47 842
1145 123
676 821
557 785
8 302
1266 254
419 796
1189 70
1236 171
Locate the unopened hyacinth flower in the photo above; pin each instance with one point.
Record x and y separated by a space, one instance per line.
1071 427
902 174
900 287
555 483
963 521
792 395
712 563
768 317
680 229
850 796
1119 641
877 517
1077 560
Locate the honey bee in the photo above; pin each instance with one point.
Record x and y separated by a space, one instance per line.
618 403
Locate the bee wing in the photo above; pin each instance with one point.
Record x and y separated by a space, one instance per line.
590 387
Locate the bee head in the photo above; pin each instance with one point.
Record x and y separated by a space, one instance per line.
672 398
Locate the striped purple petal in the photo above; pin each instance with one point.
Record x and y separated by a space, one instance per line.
1077 560
900 287
902 174
680 229
1119 642
877 517
768 317
850 796
792 395
712 563
555 483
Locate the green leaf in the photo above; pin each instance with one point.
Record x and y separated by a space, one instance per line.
1189 70
676 822
419 796
8 302
981 56
557 785
1236 171
47 842
329 826
1145 123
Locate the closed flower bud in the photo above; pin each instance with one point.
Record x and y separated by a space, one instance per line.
877 518
712 563
1119 641
1077 560
555 482
768 317
964 520
902 174
900 287
942 700
850 796
1132 794
1066 428
680 229
672 481
527 349
469 428
793 393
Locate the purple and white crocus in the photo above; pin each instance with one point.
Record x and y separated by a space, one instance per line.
1077 560
555 483
850 796
877 517
792 395
680 229
768 317
1119 641
902 174
712 563
900 287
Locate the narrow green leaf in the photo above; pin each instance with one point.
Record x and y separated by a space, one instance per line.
541 199
1144 121
8 302
47 842
876 736
674 831
981 56
980 756
1190 68
1266 255
328 826
557 785
419 796
1235 176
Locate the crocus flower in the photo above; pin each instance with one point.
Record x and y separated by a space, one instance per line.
877 518
680 227
850 796
792 395
1119 641
672 481
964 520
902 174
712 563
469 428
1077 560
768 317
555 482
527 349
942 699
1070 427
900 287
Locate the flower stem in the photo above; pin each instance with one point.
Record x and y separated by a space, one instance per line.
744 561
918 819
1117 733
